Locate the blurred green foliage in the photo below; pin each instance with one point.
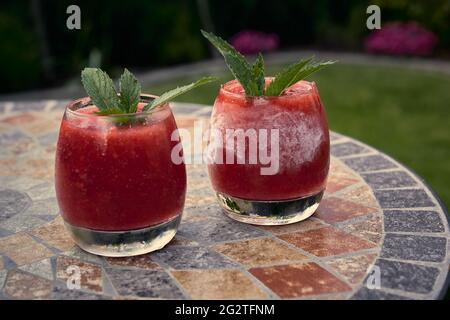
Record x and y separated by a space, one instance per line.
19 50
144 34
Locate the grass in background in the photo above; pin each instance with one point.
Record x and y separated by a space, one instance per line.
399 111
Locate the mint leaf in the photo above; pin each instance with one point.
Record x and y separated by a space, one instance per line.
312 68
285 78
169 95
293 74
100 88
236 62
130 92
258 76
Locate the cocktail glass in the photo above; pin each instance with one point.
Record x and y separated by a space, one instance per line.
268 157
119 192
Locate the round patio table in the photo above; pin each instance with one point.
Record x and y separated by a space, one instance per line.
379 232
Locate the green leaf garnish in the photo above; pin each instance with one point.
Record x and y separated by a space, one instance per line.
236 62
251 77
169 95
130 92
286 78
100 88
293 74
258 76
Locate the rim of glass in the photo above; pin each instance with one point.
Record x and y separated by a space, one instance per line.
87 101
223 90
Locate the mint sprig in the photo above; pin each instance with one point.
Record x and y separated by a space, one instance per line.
130 92
259 81
100 87
236 62
169 95
251 77
294 74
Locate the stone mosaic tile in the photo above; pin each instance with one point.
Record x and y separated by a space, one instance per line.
180 241
213 231
334 209
259 252
204 211
335 136
91 274
144 283
141 262
218 284
369 163
43 126
48 139
78 253
5 233
327 241
26 167
299 280
185 122
22 285
29 105
205 113
362 195
308 224
375 294
407 276
43 191
336 184
197 171
8 264
347 149
19 119
411 247
16 142
43 208
61 292
12 202
404 198
23 249
370 229
353 268
390 179
339 177
42 269
54 234
21 222
3 274
200 197
22 183
192 258
198 183
40 168
412 221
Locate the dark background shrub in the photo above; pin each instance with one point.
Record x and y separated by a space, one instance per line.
147 34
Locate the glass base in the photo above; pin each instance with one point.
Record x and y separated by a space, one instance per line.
124 243
269 213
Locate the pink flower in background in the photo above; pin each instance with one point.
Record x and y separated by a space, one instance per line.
401 39
251 42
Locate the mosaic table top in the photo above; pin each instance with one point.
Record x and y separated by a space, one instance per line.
379 233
